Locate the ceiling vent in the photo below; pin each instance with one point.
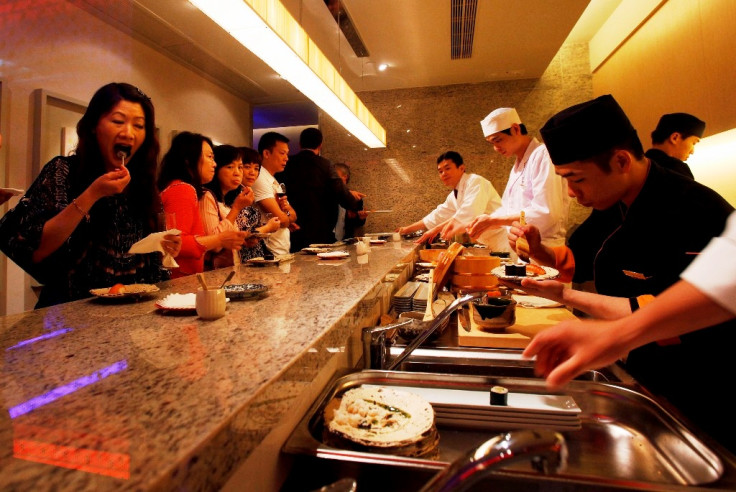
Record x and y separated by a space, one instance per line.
462 25
347 27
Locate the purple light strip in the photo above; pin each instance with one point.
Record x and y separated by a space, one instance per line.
38 339
57 393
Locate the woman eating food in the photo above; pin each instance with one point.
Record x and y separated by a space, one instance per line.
73 228
185 169
216 216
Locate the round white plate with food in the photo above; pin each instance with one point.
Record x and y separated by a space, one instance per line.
315 251
333 255
120 291
549 273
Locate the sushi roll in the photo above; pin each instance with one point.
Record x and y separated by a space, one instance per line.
499 396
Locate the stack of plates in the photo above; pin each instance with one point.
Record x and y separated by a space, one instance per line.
419 301
403 298
472 409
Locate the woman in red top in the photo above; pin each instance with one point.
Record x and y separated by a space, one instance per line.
187 166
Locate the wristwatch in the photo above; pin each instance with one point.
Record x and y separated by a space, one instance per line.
288 213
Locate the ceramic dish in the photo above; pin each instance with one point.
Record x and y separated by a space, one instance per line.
535 302
333 255
244 291
378 241
130 291
179 302
549 273
323 245
314 251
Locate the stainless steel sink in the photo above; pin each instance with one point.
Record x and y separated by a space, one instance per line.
626 441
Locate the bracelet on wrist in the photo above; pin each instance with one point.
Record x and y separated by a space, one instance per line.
85 215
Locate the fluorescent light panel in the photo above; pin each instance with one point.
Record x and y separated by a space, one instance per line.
267 29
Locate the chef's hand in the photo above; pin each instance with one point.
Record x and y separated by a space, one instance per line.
573 347
450 229
171 244
549 289
483 222
429 236
532 236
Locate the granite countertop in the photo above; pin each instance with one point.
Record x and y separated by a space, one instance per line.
104 395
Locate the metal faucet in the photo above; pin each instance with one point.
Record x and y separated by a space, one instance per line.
376 342
546 449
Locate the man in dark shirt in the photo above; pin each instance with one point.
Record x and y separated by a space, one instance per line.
315 190
673 141
646 226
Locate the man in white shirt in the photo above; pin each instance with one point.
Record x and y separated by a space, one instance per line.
471 195
533 187
274 150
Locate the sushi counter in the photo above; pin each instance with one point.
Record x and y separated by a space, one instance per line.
103 394
137 393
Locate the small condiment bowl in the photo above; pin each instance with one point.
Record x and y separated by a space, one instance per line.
494 313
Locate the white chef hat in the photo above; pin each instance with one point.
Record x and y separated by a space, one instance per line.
498 120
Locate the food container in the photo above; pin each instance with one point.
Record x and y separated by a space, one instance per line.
475 264
432 255
480 281
494 312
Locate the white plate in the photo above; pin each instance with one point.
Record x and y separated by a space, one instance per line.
500 272
378 241
324 245
314 251
333 255
535 302
131 290
179 302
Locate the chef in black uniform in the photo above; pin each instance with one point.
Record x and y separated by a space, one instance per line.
674 139
646 225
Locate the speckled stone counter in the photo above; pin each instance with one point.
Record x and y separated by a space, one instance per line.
121 396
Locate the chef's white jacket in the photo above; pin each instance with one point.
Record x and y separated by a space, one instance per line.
713 272
534 188
475 195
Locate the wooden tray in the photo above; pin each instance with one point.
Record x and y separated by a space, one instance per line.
529 322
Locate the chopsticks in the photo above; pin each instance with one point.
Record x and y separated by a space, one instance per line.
200 277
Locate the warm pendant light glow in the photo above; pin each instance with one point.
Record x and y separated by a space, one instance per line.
267 29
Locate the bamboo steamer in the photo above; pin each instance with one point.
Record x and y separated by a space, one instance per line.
475 281
475 264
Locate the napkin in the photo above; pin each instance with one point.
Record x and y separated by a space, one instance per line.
152 243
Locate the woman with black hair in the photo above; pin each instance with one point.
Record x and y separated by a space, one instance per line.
216 216
73 228
186 168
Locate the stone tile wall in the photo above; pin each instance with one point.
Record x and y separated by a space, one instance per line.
422 123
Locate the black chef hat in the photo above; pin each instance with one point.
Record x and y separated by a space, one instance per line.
585 130
683 123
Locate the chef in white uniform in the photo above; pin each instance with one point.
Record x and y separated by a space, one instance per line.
533 187
471 196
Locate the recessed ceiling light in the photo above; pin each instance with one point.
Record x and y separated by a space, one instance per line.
382 67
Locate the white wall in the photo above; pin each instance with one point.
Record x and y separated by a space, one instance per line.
56 46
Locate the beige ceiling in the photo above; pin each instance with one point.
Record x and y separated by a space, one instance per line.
513 40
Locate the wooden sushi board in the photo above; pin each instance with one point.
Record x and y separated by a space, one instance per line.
529 322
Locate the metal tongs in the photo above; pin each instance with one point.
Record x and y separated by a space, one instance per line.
432 326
